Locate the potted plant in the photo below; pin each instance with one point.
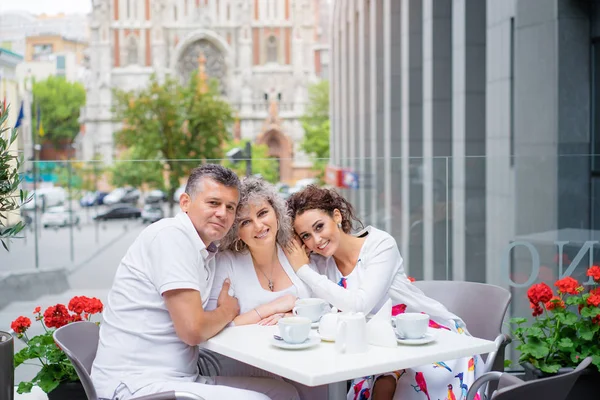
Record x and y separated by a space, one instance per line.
11 197
57 377
565 330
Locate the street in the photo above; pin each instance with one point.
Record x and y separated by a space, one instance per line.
55 249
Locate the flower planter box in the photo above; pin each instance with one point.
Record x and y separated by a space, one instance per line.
586 387
68 391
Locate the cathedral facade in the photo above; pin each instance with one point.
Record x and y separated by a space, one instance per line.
263 53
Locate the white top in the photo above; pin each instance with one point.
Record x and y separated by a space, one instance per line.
238 267
322 364
138 343
378 276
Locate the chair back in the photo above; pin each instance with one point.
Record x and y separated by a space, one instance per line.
79 341
556 387
481 306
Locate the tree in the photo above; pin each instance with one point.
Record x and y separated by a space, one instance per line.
315 122
262 164
11 197
179 125
131 170
59 102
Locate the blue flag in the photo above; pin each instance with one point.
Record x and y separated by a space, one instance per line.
20 117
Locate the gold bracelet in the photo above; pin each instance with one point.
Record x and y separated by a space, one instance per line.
259 316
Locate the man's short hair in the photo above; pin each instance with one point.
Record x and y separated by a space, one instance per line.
216 172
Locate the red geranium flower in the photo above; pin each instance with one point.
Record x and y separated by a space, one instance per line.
555 302
20 325
539 293
537 309
594 272
37 310
56 316
94 306
594 299
568 285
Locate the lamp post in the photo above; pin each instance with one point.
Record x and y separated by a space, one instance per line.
236 155
248 158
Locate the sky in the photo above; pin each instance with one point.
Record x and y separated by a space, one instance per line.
47 6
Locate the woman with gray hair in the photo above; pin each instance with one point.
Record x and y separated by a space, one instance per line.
261 277
260 274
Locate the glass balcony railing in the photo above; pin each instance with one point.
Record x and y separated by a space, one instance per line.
506 221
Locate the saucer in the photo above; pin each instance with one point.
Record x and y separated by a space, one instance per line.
310 342
428 338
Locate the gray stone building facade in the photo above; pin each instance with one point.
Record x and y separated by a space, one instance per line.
471 125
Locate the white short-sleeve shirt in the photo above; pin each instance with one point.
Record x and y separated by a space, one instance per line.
138 343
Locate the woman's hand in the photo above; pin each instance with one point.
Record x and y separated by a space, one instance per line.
296 254
272 320
285 303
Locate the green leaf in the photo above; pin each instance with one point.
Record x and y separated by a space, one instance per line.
590 312
596 360
536 348
550 368
565 344
567 318
537 332
49 377
24 387
507 363
573 300
587 332
518 320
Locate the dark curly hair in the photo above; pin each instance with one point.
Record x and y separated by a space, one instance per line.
327 200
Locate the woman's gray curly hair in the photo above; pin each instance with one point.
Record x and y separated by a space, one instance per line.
253 190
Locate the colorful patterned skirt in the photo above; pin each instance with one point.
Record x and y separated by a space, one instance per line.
438 381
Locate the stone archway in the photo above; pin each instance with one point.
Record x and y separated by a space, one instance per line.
211 46
280 147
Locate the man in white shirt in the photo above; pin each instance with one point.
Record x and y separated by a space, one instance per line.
154 318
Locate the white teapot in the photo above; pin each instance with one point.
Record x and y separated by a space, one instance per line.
328 325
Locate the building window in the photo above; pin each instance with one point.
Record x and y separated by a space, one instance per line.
60 63
272 49
595 129
132 51
596 107
41 51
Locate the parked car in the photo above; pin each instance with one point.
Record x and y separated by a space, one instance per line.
47 197
178 193
59 216
155 196
152 213
91 199
119 211
122 195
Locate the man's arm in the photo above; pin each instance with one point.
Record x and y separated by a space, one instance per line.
194 325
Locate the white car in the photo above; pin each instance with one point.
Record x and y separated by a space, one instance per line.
178 193
58 216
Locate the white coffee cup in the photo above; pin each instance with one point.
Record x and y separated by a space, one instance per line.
351 335
311 308
412 325
328 325
294 329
